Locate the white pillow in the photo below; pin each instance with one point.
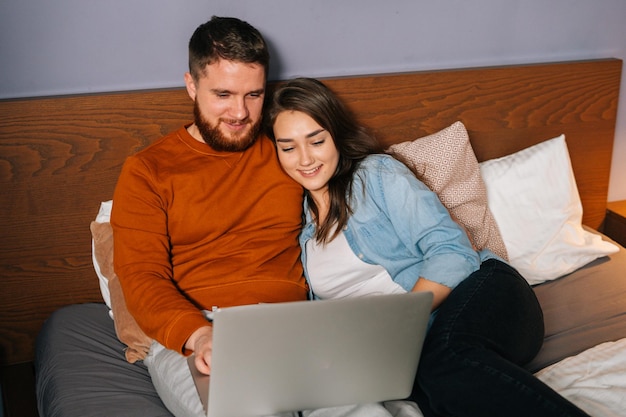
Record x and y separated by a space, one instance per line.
104 216
533 196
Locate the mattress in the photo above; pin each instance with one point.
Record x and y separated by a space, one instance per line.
583 309
81 368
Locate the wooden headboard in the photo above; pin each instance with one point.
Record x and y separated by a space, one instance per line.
60 157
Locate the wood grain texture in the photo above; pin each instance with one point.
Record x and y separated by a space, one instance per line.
60 157
504 109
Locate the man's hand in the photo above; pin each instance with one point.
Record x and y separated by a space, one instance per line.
201 342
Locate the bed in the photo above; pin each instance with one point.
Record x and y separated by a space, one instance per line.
61 157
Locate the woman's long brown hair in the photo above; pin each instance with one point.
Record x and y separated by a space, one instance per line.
352 140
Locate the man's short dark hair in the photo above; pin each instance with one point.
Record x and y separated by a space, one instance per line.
226 38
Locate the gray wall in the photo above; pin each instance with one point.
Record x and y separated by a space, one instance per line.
50 47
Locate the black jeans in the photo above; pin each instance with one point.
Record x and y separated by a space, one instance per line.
471 365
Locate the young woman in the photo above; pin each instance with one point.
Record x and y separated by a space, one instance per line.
371 227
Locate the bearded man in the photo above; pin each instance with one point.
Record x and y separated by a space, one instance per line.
205 217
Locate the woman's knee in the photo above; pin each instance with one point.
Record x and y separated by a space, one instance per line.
493 309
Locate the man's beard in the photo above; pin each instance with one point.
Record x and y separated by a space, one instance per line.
214 137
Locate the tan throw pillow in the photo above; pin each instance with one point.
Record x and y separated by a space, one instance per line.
126 328
446 163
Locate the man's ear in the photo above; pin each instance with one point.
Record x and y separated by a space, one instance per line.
190 83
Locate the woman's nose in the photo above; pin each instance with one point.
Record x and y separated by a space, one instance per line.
305 158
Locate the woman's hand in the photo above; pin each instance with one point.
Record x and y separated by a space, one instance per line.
440 292
201 343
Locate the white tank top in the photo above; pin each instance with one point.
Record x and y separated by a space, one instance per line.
336 272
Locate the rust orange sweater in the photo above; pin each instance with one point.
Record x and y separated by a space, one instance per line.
195 228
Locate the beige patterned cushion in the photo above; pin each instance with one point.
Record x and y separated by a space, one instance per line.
446 163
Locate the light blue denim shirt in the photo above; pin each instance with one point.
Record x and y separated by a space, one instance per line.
398 223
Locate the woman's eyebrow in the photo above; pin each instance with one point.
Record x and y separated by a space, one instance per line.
314 133
307 136
284 140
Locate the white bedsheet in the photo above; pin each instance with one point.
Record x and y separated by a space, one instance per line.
594 380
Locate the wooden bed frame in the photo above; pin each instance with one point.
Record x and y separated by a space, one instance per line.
61 156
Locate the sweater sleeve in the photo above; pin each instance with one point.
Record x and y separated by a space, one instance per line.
142 259
425 225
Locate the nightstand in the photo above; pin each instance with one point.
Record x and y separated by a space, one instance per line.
615 221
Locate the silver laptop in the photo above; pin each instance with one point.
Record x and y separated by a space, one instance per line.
272 358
